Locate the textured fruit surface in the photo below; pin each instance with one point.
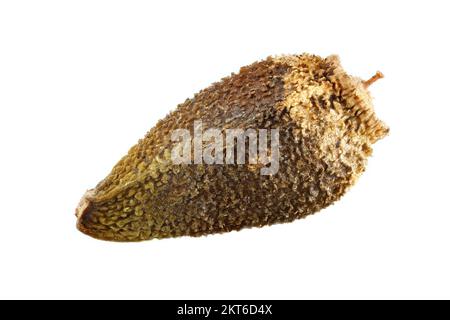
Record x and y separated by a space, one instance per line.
326 128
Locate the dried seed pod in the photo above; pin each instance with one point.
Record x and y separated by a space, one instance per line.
325 128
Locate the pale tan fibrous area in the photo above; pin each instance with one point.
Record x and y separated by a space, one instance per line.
327 127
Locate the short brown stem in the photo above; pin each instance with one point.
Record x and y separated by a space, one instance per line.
374 78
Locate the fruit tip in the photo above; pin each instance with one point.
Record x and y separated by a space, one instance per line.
84 204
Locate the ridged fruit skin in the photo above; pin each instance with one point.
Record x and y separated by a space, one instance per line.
327 126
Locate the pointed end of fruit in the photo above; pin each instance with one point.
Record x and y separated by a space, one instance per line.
84 205
82 211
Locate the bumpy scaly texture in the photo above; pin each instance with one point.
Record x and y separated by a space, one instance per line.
327 126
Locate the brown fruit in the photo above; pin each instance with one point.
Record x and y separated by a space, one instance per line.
326 128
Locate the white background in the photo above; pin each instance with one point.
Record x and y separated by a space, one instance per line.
82 81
